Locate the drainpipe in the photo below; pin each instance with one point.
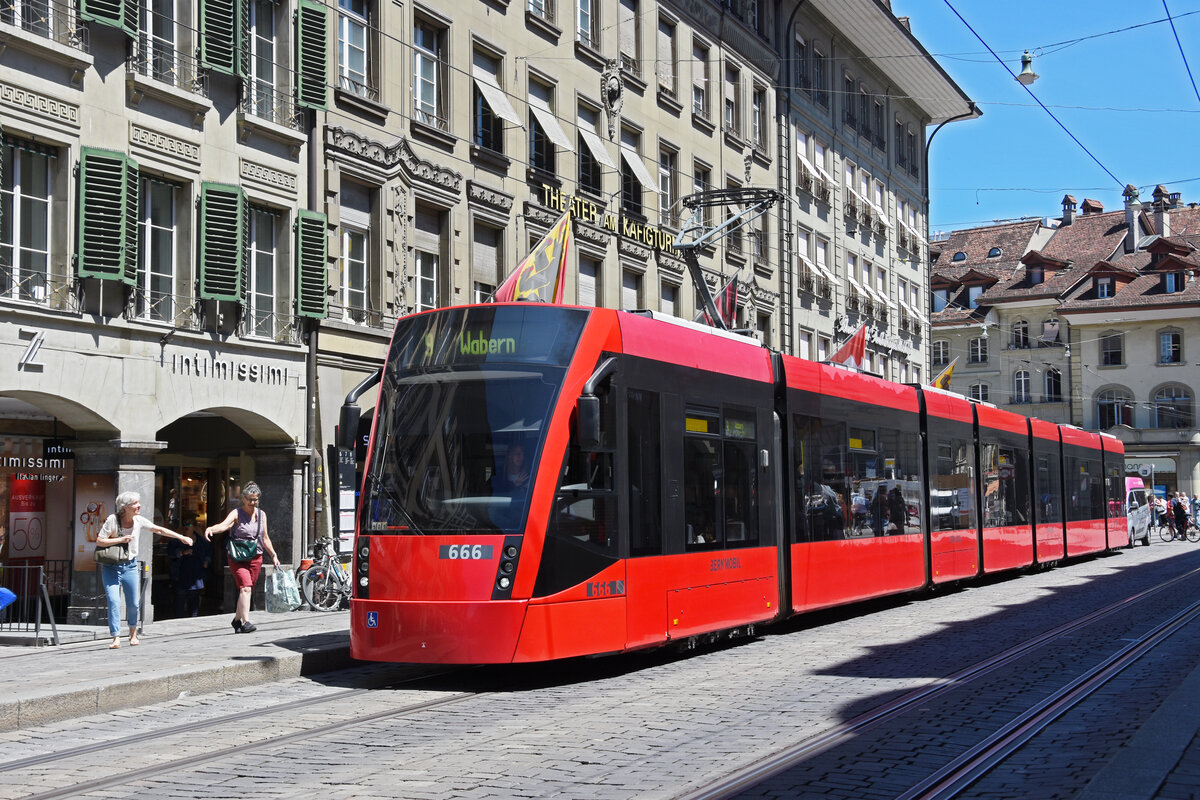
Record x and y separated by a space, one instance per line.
313 325
784 113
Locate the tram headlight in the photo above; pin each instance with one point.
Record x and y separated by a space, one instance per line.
364 552
504 583
507 567
363 581
510 552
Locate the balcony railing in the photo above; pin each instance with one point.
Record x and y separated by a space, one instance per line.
161 61
359 88
51 19
273 105
38 289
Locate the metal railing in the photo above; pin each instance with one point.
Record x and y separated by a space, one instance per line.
275 105
36 586
51 19
38 289
163 62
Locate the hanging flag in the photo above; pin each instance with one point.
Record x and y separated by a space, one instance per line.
854 351
942 381
726 303
540 277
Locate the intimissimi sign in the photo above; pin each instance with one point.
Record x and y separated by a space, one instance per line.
228 369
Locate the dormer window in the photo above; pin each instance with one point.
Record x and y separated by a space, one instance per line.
1037 275
973 296
959 256
941 298
1104 287
1174 282
995 252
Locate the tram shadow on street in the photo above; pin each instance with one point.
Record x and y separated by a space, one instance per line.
961 644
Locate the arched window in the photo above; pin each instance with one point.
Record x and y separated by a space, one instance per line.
1020 334
1021 387
978 352
995 252
1053 387
1173 408
959 256
1113 407
979 391
941 353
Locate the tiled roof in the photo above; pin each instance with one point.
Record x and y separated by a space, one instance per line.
1090 238
1012 238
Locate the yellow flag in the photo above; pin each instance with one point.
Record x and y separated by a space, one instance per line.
942 381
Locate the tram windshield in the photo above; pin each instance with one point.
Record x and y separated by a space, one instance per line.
464 406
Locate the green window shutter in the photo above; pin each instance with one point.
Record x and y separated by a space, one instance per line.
311 278
312 45
107 216
133 207
119 14
222 241
222 36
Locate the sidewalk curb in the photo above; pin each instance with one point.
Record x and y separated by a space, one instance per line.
39 707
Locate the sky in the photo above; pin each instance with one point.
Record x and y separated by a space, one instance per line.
1110 71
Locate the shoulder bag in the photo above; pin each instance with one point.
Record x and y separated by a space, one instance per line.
245 549
113 553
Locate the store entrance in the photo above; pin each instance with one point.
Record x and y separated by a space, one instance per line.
187 581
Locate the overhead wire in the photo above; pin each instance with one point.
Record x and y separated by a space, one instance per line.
1181 53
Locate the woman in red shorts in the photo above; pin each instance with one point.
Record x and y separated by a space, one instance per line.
247 527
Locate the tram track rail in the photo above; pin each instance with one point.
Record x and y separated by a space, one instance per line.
955 776
194 760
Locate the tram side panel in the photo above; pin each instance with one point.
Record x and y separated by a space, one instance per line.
1005 505
1083 491
954 541
696 476
1048 508
1114 477
854 477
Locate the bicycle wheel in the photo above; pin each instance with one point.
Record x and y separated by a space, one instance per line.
321 589
1166 533
1193 533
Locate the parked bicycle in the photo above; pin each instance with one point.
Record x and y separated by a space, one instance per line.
325 584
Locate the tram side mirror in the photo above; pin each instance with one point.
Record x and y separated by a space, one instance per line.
589 422
348 425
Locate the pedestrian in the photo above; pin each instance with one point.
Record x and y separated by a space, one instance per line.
126 525
898 509
1196 507
1179 510
248 539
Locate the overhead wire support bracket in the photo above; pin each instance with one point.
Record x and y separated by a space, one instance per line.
697 234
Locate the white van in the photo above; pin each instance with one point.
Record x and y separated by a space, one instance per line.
1137 510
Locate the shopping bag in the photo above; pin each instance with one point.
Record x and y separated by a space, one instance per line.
6 597
282 592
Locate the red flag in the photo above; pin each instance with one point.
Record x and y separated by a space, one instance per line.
540 277
726 303
854 351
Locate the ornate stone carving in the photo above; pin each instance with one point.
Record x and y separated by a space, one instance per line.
612 92
164 144
40 104
535 213
591 234
273 178
487 196
628 247
389 157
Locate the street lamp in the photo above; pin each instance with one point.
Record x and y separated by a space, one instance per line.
1027 76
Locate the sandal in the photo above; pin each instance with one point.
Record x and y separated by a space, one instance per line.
133 642
114 646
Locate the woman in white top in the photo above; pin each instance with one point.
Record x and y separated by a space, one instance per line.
125 525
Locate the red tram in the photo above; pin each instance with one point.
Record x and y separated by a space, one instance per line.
544 482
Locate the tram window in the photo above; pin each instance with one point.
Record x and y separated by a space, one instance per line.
701 490
896 489
740 493
1084 489
952 486
1114 485
832 521
645 473
1005 471
1048 485
809 499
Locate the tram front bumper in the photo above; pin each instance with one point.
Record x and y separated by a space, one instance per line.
436 632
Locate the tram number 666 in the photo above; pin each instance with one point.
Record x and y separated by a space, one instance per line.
466 552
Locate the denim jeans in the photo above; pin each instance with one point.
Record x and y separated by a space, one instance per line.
117 577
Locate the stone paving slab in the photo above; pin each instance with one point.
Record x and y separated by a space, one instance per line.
40 685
